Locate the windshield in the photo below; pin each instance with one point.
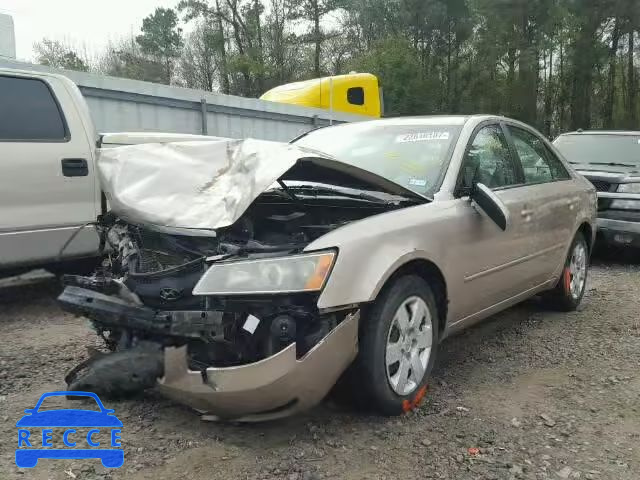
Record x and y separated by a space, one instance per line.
600 149
413 156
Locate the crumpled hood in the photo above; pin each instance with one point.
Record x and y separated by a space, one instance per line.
199 186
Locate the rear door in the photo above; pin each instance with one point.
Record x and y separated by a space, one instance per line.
551 205
47 187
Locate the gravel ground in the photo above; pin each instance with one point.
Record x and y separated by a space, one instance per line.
529 394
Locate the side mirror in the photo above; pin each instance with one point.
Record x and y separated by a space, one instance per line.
491 205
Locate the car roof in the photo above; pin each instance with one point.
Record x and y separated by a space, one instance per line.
432 120
601 132
428 120
423 120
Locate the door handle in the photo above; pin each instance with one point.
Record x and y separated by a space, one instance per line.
75 167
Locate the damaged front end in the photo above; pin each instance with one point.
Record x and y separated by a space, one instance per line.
207 350
223 317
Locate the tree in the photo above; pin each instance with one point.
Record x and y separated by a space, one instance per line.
611 75
393 61
212 17
199 63
161 38
126 59
56 54
585 56
313 12
284 56
248 37
556 64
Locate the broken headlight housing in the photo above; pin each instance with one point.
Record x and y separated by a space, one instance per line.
295 273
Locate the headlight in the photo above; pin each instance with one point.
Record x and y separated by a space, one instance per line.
625 205
297 273
629 188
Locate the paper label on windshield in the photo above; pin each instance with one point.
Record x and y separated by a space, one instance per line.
422 137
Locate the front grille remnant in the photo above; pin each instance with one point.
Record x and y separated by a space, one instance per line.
601 185
152 261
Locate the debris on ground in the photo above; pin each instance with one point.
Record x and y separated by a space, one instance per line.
548 421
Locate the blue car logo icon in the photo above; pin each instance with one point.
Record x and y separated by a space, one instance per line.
32 447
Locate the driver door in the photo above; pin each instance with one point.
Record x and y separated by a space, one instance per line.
491 267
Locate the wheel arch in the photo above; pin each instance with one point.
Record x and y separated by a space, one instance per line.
587 230
430 273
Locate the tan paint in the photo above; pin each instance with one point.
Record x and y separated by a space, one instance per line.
485 269
275 387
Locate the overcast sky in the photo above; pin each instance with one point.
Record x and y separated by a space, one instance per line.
85 24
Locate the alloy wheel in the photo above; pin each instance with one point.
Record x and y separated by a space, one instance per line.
409 344
577 270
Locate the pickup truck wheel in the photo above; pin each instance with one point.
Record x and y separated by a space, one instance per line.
398 343
568 293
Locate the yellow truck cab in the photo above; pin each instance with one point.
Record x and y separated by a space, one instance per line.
356 93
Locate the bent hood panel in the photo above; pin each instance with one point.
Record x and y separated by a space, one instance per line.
205 185
191 185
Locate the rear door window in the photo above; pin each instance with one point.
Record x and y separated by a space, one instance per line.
557 168
29 111
538 163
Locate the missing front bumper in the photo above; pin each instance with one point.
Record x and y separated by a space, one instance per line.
275 387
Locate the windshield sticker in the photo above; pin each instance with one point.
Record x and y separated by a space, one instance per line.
422 137
417 182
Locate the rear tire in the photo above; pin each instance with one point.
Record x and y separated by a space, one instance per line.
568 293
398 342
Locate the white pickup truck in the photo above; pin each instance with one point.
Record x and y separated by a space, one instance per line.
49 191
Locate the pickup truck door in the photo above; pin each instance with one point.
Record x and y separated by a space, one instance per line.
47 181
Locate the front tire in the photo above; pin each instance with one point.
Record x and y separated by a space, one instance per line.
398 341
568 293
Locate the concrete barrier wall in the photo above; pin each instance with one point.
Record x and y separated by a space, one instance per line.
118 105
